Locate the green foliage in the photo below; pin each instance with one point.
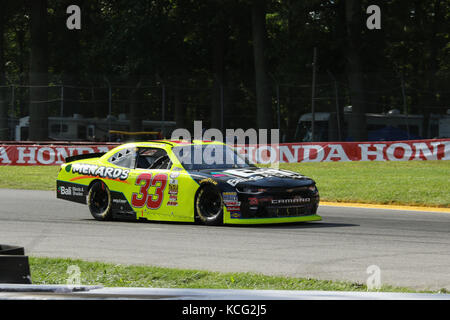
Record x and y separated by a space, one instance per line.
174 38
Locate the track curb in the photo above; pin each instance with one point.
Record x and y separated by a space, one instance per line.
63 292
383 206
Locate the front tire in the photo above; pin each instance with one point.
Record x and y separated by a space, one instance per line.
209 205
99 201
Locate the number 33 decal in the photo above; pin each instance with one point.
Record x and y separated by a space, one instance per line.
153 201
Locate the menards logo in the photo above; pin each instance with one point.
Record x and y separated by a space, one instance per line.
102 172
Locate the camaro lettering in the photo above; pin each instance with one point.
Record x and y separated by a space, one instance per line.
290 201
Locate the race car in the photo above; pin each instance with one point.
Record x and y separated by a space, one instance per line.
185 181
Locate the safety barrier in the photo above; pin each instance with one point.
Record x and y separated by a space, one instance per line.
14 266
435 149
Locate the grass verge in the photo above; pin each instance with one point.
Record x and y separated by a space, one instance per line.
54 271
418 183
28 177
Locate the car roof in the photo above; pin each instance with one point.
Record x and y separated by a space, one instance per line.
174 143
169 143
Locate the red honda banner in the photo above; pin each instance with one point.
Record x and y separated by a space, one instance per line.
29 155
438 149
44 155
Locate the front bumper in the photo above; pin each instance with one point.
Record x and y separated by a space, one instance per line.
228 220
273 206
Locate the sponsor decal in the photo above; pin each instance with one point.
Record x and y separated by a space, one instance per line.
253 201
234 182
263 172
173 188
78 191
175 174
229 196
218 175
208 180
235 215
232 203
230 199
71 191
119 201
102 172
65 191
173 181
237 208
173 200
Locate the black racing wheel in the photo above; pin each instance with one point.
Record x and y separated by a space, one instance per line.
209 205
99 201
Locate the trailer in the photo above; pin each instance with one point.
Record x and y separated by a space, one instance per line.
78 128
328 127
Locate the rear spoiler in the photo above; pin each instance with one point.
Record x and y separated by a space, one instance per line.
84 156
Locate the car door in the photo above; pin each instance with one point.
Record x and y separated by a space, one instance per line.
154 195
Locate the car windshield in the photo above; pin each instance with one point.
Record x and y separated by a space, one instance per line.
209 156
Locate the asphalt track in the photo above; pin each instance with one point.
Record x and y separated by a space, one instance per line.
411 248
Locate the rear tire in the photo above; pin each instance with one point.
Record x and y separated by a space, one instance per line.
99 201
209 205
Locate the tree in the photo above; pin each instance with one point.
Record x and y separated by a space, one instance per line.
352 49
38 71
4 134
263 88
136 98
226 49
219 43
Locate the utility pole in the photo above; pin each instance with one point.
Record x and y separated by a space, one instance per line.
163 109
221 108
336 98
313 95
278 107
109 107
405 109
61 111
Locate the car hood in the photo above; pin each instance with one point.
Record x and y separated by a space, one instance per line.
254 176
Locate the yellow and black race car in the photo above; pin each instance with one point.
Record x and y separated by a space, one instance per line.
185 181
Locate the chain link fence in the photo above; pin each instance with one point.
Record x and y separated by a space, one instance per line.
418 107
